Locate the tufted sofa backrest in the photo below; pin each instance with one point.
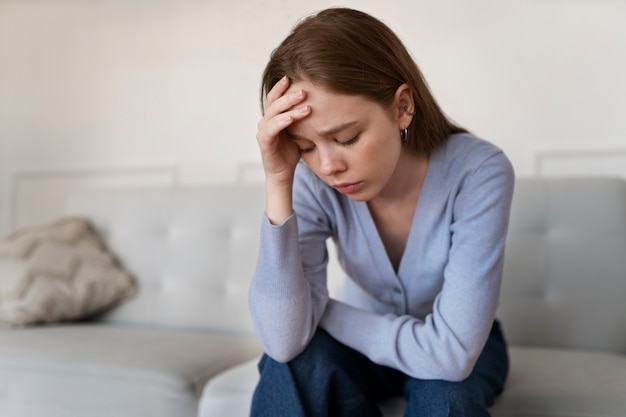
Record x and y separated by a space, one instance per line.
565 265
192 250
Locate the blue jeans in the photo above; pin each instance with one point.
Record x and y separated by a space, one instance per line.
330 379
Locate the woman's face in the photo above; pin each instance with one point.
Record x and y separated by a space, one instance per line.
351 142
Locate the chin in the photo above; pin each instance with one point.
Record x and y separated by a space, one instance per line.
360 196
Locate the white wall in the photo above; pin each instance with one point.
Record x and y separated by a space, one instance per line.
103 88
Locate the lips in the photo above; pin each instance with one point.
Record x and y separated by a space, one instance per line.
348 188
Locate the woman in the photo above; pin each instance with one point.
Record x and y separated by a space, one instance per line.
356 149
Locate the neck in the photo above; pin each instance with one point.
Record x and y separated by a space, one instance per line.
406 181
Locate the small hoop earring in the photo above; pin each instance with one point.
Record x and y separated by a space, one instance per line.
406 110
404 134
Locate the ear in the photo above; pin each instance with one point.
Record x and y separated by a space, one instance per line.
404 106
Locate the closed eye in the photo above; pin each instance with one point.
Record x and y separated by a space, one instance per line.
350 141
305 150
299 140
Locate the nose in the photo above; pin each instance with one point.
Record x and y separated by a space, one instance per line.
330 161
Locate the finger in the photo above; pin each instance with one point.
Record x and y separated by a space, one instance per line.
285 103
272 127
278 101
277 90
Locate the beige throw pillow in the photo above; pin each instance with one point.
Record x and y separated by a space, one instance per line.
56 272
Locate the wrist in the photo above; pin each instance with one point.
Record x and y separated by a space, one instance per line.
278 202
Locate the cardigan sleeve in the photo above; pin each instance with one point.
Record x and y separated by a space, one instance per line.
446 343
288 293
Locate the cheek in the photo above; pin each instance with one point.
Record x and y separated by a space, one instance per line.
385 150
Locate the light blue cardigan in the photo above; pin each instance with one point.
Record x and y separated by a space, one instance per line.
429 320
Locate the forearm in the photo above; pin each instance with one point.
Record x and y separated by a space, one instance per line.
285 304
283 323
425 349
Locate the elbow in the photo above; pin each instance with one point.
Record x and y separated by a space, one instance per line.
458 375
282 353
283 346
282 356
449 373
460 369
449 368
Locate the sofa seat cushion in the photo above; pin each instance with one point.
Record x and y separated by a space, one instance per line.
101 370
229 394
546 382
543 383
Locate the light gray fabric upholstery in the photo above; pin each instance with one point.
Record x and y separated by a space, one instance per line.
563 382
565 268
192 252
104 370
562 307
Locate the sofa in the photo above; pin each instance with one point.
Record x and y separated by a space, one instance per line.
191 253
182 344
562 307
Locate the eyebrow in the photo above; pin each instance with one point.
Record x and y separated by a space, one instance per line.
326 132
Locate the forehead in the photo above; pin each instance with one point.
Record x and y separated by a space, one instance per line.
320 94
330 108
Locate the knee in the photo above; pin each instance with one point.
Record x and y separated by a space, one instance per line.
445 398
319 354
